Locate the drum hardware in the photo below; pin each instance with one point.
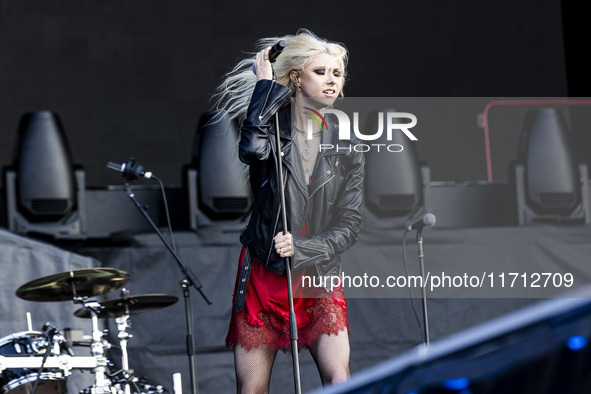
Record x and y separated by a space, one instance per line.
22 372
123 324
49 332
78 286
64 363
97 347
29 321
26 365
121 309
177 383
77 338
138 386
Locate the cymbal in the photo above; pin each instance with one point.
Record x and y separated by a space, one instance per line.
131 305
87 282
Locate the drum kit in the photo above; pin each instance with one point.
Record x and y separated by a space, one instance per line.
39 362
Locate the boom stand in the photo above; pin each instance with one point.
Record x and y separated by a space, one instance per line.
424 287
189 280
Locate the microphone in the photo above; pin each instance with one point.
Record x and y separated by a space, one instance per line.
49 329
273 53
130 170
427 221
50 332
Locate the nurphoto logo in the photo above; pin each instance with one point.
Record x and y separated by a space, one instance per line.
388 123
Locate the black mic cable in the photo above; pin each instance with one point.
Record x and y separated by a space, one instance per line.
131 171
49 332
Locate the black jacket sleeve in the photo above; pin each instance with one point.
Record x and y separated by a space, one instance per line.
267 98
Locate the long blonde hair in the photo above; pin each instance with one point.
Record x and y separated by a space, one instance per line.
233 95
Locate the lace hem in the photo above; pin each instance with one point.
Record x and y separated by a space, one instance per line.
271 327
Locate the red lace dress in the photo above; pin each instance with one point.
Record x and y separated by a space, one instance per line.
264 320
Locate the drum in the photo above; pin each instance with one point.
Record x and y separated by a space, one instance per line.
22 380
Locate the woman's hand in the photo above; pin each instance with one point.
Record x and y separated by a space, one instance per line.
283 244
263 65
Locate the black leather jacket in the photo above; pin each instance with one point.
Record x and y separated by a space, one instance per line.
330 206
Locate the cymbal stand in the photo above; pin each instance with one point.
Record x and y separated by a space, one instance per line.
101 383
122 324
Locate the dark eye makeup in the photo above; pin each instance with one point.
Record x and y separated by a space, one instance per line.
321 71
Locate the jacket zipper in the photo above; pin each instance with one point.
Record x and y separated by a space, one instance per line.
274 107
323 183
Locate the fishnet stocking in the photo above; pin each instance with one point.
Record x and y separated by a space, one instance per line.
331 354
253 368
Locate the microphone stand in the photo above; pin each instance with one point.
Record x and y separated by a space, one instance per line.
293 326
189 280
424 287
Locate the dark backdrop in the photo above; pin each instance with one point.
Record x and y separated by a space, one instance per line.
131 78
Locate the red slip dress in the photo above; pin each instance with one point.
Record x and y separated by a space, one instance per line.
264 320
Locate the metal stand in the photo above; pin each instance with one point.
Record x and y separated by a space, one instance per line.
189 280
101 383
122 325
424 288
293 326
190 343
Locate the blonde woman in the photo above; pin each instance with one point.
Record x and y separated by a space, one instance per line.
323 191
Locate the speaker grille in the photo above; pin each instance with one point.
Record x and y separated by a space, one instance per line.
230 204
557 200
54 206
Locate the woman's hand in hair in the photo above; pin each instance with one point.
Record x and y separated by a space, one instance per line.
263 65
